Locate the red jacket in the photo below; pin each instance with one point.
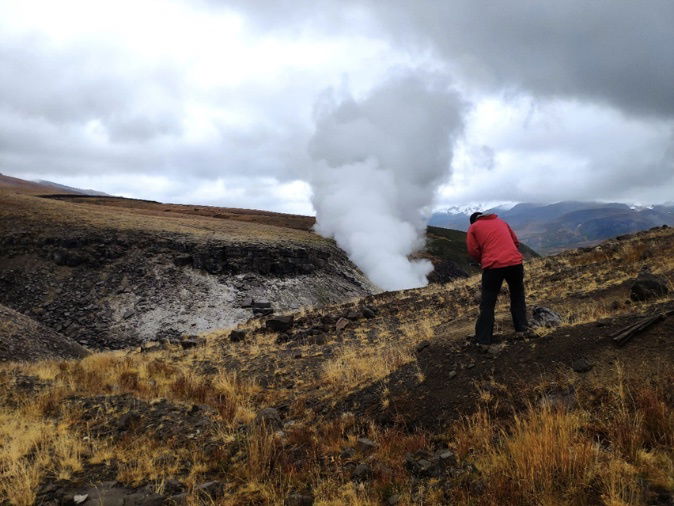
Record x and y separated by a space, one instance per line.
491 242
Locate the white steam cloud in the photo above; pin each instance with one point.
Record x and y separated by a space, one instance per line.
378 163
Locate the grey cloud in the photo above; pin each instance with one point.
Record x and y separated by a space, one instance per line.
625 176
606 51
92 107
614 52
76 85
603 53
74 110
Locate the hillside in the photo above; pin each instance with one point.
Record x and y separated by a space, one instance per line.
17 185
22 338
373 401
111 272
551 228
61 188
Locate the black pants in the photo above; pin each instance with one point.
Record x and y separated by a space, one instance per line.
492 279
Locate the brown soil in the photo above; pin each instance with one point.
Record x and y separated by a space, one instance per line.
443 397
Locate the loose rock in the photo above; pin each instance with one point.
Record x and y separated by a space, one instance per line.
581 365
544 317
348 453
369 312
341 324
280 323
212 489
237 336
363 472
365 445
353 315
192 342
269 418
648 286
422 346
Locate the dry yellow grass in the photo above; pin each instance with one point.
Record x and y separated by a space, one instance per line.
32 447
545 455
596 453
352 367
362 361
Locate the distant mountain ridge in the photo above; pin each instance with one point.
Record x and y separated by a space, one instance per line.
71 189
550 228
43 186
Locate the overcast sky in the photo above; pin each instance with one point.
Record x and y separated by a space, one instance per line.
214 102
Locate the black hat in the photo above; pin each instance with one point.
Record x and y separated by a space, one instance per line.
474 217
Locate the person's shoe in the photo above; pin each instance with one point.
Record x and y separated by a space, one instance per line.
495 349
481 347
470 341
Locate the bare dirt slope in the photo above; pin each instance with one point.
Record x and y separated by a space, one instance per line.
23 339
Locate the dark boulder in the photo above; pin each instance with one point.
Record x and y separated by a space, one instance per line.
353 315
192 342
69 258
648 286
237 336
369 312
581 365
422 346
279 323
182 260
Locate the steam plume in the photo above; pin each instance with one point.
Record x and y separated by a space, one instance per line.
378 163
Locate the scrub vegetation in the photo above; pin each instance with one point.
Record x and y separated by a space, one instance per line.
375 401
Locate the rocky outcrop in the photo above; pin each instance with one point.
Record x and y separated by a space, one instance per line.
96 249
117 288
278 261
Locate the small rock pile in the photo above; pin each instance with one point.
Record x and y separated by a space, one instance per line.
314 330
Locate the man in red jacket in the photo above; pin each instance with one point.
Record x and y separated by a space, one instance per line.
494 245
